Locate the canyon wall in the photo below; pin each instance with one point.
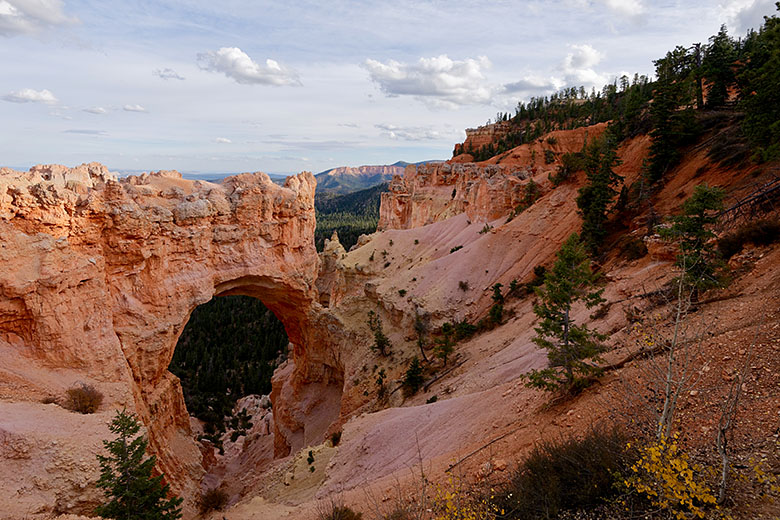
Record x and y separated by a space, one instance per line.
100 276
478 138
432 192
486 190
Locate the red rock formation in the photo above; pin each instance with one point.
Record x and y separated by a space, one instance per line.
100 276
478 138
432 192
485 191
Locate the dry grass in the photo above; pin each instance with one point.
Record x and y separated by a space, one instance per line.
83 398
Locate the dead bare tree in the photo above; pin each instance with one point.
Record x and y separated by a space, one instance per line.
728 415
670 359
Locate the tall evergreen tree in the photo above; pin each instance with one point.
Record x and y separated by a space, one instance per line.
126 477
568 346
759 92
718 67
673 126
697 258
595 197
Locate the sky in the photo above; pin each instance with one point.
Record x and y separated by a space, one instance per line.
281 87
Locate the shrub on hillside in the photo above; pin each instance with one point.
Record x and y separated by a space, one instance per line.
569 474
212 500
338 512
413 378
83 398
760 233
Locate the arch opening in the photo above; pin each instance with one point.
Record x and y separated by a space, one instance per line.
227 351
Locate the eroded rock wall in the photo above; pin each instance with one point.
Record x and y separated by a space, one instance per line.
430 193
485 191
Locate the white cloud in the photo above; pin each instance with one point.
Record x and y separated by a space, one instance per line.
30 16
579 67
96 110
633 9
222 140
28 95
133 108
582 57
237 65
408 133
742 15
439 81
167 74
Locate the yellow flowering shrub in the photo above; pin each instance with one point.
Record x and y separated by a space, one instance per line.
670 481
455 501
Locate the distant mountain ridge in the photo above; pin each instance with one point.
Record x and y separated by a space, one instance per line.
346 179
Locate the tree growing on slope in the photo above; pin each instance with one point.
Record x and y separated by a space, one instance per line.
697 258
126 477
569 346
596 196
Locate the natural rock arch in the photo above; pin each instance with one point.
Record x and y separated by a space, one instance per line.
101 276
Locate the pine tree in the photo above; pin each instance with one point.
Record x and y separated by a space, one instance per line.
595 197
445 344
413 378
697 258
672 126
760 96
134 494
717 67
568 345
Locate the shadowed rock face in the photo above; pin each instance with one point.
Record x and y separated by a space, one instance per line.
100 276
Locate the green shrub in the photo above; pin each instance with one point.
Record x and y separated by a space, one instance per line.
549 156
83 398
456 248
485 229
337 512
463 285
760 233
496 313
212 500
632 248
335 438
571 163
381 341
464 329
413 379
568 474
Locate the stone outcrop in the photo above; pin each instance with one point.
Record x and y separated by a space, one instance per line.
433 192
486 190
478 138
100 276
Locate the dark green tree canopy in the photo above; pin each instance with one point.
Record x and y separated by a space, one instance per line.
597 195
697 258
